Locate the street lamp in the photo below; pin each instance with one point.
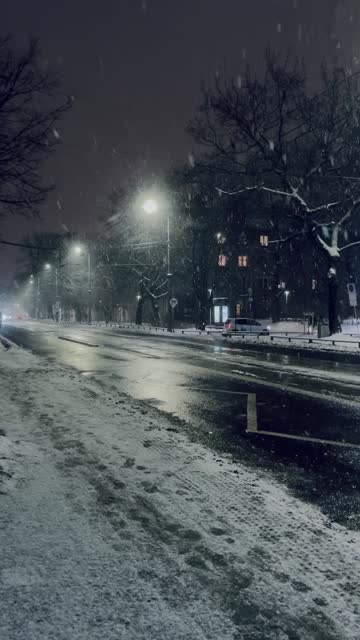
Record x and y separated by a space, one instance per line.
287 293
151 206
79 250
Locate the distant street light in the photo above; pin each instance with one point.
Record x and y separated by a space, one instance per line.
287 293
151 206
48 266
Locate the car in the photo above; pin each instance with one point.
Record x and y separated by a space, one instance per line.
244 325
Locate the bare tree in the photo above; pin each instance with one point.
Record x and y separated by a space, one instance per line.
270 137
30 107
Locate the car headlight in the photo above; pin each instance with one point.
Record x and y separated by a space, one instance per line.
268 327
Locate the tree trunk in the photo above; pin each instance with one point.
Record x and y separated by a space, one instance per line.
156 312
139 311
275 305
202 314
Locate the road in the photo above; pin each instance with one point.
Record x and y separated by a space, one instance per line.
215 394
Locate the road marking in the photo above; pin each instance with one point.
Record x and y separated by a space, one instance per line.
252 427
244 373
87 344
336 443
251 413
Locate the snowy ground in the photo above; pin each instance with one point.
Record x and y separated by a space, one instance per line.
114 525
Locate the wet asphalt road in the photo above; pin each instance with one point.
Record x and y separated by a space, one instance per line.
204 385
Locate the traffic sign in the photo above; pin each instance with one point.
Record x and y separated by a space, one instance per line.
173 302
352 294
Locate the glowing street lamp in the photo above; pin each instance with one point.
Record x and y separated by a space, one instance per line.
287 293
150 206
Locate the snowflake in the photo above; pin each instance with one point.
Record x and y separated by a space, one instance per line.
271 145
56 134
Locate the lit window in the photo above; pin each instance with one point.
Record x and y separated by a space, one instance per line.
222 261
313 284
242 261
264 241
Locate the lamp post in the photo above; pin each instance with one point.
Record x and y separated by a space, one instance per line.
80 251
48 267
151 206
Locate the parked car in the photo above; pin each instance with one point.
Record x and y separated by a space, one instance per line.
244 325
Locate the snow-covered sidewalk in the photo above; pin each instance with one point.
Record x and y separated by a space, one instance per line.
115 525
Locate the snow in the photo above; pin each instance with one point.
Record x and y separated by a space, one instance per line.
120 527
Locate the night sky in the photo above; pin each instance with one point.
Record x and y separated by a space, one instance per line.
135 68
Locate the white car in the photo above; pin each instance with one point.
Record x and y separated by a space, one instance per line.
244 325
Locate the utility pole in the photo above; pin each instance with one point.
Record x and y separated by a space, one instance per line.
170 310
37 311
89 289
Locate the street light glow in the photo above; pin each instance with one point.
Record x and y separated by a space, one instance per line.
78 250
150 206
47 266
